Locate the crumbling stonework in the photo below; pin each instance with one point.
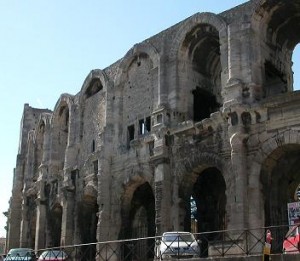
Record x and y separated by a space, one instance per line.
202 112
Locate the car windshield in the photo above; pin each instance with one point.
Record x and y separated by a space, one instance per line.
20 252
178 237
53 253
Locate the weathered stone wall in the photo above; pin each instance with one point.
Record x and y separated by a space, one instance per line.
202 112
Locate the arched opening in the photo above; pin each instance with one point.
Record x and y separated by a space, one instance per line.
205 206
280 177
94 87
87 220
55 221
60 137
279 22
139 222
204 75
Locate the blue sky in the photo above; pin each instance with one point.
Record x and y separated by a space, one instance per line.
48 48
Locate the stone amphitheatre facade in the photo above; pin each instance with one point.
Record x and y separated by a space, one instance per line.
204 111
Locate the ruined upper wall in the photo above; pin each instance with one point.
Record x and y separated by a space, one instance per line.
163 40
29 122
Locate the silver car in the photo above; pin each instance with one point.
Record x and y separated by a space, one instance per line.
20 254
178 244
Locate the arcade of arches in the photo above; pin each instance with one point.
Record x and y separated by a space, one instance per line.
196 128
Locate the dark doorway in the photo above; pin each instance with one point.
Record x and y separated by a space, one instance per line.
139 223
205 207
55 219
87 220
280 177
204 104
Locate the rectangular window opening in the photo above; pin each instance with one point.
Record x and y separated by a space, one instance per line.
148 124
142 127
130 130
95 163
73 177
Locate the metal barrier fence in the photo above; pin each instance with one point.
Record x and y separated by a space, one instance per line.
211 244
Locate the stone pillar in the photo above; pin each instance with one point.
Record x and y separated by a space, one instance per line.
105 195
69 186
108 226
40 232
24 225
163 196
67 230
15 209
239 168
179 205
256 215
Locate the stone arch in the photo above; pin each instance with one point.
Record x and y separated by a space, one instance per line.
134 179
199 18
275 24
42 125
96 81
131 55
62 112
203 185
60 135
197 162
93 110
279 139
138 214
200 51
64 100
275 176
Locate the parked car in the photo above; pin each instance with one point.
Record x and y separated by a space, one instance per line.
291 243
53 255
178 244
20 254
